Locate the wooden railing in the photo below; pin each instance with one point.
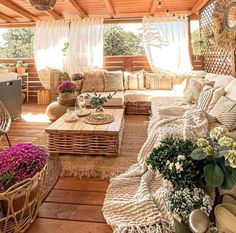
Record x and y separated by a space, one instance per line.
125 63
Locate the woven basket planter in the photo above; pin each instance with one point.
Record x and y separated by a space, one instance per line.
43 5
67 99
20 203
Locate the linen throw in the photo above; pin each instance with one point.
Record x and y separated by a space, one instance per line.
134 200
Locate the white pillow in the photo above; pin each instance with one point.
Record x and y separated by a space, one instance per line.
220 80
231 90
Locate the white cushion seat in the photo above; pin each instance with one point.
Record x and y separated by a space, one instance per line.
117 100
132 96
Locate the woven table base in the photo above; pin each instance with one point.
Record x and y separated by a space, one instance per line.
93 121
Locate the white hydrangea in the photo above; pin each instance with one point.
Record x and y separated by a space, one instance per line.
181 157
178 167
171 165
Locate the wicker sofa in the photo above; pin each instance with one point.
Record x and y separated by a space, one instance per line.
228 83
136 99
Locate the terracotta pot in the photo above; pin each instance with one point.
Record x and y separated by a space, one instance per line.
67 99
11 69
20 70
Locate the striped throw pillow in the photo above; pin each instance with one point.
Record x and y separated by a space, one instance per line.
204 99
228 119
223 105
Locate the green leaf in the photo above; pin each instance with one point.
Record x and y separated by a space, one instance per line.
198 154
213 175
220 154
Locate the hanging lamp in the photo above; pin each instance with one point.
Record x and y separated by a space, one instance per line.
43 5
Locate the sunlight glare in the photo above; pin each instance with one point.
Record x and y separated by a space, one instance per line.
37 118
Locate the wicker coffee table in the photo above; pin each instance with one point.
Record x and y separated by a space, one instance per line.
79 138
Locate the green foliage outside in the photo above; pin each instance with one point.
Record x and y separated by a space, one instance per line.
18 43
196 44
117 42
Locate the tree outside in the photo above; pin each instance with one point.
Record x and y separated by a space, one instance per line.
17 43
117 41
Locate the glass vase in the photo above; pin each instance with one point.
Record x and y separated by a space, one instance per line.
99 113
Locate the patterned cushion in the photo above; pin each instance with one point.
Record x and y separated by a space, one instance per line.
136 81
113 81
93 80
228 119
204 98
194 88
224 104
156 81
217 94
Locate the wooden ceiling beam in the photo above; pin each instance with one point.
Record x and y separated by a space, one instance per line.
7 18
19 10
199 5
76 5
110 8
153 7
54 14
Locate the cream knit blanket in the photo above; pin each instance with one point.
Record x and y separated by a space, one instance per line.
134 201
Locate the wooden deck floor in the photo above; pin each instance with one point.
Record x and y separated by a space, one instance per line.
73 206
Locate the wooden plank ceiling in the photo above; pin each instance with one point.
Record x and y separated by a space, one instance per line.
21 10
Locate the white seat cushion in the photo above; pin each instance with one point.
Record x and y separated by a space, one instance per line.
220 80
117 100
132 96
231 90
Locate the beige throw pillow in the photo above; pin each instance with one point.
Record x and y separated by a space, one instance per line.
113 81
217 94
223 105
194 88
156 81
136 81
228 119
93 81
231 90
204 98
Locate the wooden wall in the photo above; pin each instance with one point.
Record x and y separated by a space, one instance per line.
216 60
125 63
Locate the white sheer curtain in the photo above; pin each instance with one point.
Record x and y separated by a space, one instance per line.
86 45
49 40
166 44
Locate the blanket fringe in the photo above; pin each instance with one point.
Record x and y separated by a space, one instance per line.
163 227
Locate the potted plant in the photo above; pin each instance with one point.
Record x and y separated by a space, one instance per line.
21 66
97 101
67 93
182 201
218 156
3 68
64 76
22 173
11 68
78 79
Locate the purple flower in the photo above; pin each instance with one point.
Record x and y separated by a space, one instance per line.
67 86
20 162
78 76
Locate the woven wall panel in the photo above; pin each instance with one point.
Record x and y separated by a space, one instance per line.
216 60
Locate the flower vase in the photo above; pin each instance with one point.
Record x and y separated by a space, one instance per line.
99 113
181 227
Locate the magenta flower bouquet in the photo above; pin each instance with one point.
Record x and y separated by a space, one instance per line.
20 162
67 87
78 76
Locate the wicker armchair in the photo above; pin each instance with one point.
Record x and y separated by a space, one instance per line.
5 122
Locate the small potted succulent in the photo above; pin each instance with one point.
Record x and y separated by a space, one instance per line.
21 67
67 93
22 172
97 101
78 79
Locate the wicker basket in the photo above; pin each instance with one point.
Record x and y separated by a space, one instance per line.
21 202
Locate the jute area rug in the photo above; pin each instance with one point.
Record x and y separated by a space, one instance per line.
101 167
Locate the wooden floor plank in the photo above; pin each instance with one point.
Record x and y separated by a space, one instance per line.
76 197
84 213
61 226
79 185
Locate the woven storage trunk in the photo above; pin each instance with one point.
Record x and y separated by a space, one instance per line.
21 202
138 108
44 97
